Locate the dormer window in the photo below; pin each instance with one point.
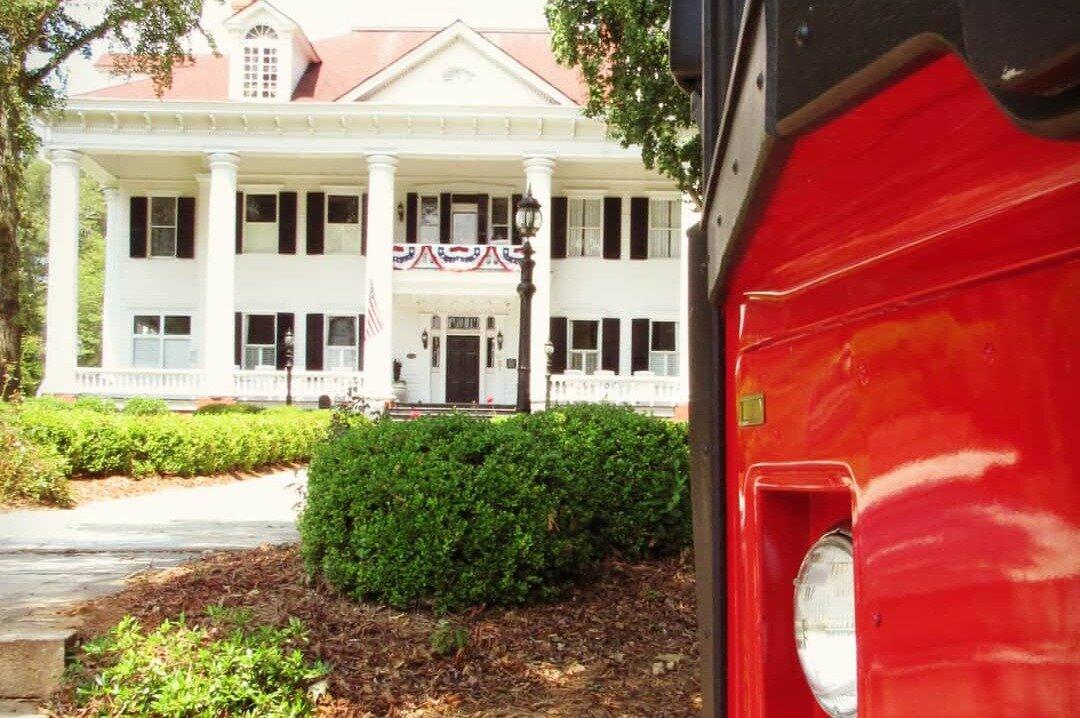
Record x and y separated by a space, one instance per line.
261 63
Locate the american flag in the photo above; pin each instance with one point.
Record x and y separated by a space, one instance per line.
373 323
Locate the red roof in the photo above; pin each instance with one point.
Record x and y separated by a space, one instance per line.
348 60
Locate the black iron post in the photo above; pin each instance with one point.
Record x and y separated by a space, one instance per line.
525 289
288 366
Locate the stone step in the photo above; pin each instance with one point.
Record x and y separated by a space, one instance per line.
32 660
20 708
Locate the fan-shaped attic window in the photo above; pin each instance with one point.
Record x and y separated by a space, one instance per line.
261 63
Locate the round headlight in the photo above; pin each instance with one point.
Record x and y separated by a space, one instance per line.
825 623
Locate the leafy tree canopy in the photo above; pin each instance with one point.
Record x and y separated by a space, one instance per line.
621 48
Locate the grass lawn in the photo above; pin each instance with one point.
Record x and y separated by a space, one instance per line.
624 645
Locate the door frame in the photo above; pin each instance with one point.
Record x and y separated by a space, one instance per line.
479 363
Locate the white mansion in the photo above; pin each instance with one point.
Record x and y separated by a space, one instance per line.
357 194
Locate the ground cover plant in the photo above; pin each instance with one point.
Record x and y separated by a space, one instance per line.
455 511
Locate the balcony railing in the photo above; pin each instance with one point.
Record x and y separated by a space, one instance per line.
641 390
166 383
458 257
188 384
258 385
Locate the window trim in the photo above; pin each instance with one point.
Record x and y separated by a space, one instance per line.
162 338
570 239
328 348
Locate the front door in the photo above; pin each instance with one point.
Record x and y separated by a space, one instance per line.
462 369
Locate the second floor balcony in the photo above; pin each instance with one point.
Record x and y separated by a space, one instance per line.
457 257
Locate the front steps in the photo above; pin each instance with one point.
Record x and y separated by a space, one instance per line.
406 412
32 662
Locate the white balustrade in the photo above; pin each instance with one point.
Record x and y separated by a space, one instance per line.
174 383
257 385
641 390
458 257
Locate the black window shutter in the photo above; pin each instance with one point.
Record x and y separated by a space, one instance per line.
639 345
360 342
515 235
185 227
285 324
482 218
315 227
238 339
239 222
445 201
410 217
137 228
286 238
557 337
612 227
639 228
558 227
313 342
609 349
363 223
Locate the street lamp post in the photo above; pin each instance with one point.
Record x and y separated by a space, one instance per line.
289 349
527 218
549 352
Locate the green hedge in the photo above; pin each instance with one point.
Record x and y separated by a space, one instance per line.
30 473
459 511
97 442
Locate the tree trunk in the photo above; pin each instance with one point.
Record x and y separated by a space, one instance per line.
11 170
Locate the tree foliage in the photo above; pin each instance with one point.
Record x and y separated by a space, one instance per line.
36 38
621 48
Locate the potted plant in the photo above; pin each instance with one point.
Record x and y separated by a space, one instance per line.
399 386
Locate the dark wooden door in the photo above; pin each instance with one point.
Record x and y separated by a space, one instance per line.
462 369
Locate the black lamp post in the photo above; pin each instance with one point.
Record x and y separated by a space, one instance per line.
289 349
549 352
527 218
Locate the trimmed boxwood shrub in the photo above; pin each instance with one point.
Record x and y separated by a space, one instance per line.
30 473
458 511
145 406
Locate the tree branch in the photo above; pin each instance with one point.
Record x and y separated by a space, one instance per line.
61 55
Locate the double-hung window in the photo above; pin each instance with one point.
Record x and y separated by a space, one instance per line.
429 219
162 226
260 342
584 345
583 229
500 219
664 234
260 63
663 355
161 341
464 223
342 224
341 345
260 223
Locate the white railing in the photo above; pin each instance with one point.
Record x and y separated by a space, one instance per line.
458 257
260 385
174 383
642 390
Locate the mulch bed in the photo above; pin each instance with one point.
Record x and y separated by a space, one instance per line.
624 645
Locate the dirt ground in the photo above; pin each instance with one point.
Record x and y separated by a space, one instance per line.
623 645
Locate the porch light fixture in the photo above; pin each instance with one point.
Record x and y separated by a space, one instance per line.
424 338
527 216
499 340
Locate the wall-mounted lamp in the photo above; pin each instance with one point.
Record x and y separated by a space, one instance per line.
424 338
499 339
400 212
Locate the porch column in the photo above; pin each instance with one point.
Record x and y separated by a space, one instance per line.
538 171
62 305
379 267
219 280
690 216
110 352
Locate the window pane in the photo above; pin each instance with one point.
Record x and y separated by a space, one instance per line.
592 213
342 209
465 227
262 208
178 324
342 239
575 212
177 353
260 238
163 211
500 210
585 335
145 325
163 242
429 211
341 332
663 336
260 329
500 234
146 353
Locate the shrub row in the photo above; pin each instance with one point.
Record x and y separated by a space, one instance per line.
143 442
457 511
30 473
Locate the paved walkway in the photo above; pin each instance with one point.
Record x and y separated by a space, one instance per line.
49 559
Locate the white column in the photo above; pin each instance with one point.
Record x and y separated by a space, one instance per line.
379 292
219 279
114 246
690 217
538 171
62 305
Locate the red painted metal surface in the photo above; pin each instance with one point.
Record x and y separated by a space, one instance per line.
909 304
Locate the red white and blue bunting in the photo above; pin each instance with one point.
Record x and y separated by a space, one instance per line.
457 257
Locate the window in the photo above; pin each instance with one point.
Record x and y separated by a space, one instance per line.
585 345
341 349
342 224
260 63
463 323
664 234
663 356
464 224
163 226
583 235
436 344
489 356
260 223
500 219
161 341
436 322
260 344
429 220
